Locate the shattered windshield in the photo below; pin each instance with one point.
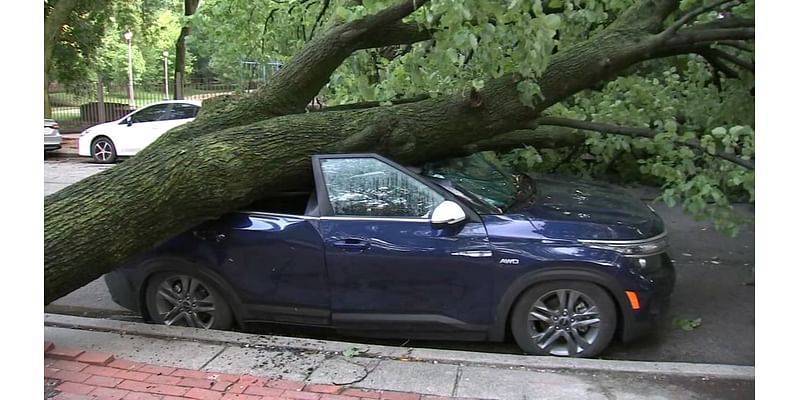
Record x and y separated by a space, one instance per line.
490 182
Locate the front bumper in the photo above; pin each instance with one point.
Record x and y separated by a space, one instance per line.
654 288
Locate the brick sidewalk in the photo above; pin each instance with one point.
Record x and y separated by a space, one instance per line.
84 375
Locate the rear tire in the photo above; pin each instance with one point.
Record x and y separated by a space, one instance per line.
187 299
103 151
564 318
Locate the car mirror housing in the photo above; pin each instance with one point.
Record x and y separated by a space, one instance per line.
129 121
448 213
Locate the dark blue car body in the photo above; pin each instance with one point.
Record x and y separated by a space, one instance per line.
406 277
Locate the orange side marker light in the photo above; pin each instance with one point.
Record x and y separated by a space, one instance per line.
633 298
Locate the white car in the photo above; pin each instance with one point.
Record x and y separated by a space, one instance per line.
52 137
135 131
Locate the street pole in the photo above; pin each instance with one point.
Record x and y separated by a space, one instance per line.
131 104
166 77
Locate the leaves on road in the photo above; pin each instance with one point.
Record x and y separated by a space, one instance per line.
687 324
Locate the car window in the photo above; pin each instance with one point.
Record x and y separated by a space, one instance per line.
183 111
152 113
370 187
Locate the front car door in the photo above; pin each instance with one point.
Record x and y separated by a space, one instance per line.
389 267
141 127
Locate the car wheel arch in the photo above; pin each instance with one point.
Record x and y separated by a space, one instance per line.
585 273
177 264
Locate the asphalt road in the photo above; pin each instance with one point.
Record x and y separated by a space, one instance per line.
715 283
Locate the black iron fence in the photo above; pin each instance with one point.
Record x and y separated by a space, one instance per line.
77 107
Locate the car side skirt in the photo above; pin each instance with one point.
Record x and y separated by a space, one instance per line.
417 326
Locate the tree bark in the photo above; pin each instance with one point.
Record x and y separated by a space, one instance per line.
240 149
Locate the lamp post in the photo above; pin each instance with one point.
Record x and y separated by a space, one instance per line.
128 36
166 76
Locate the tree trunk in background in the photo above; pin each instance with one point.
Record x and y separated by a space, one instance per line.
189 8
52 31
241 148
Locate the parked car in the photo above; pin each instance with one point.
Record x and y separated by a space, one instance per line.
135 131
52 136
375 249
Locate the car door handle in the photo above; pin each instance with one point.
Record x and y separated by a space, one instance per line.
351 244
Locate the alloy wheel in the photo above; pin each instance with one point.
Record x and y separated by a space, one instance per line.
103 151
186 301
564 322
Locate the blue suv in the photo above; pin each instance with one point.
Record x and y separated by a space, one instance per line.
462 249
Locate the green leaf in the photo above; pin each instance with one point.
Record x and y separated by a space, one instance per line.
687 324
354 351
552 21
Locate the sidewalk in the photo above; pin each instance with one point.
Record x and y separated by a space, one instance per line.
77 374
125 360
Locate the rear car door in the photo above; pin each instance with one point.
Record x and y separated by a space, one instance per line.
388 266
179 114
273 256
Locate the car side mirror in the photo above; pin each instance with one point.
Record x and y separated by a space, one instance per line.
447 213
129 121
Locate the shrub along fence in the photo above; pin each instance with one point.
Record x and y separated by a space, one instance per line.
77 107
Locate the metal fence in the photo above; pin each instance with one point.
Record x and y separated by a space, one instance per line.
77 107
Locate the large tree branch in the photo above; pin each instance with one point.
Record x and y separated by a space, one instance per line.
636 132
301 79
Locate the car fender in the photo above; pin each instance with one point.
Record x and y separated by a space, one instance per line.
161 264
577 272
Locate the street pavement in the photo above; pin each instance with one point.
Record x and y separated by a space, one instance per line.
216 364
715 283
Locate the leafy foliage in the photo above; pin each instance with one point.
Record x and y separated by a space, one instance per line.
92 46
683 98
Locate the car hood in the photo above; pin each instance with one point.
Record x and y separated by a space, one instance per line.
577 209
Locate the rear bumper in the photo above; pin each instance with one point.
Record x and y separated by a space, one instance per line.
122 290
52 142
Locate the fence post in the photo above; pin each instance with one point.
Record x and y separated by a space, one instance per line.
101 105
178 86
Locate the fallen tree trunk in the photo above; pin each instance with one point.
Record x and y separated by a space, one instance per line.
240 149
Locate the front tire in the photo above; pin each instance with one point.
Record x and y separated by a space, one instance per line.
564 318
186 299
103 151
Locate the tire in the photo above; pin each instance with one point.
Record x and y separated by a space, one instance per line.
576 332
103 151
187 299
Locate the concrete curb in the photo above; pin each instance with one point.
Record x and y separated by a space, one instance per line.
719 371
